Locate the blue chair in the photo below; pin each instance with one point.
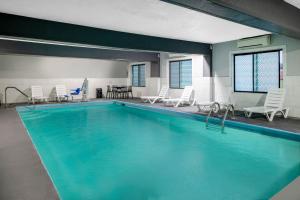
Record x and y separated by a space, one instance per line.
75 91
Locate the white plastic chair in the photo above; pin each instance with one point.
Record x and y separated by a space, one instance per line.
162 95
273 105
186 98
37 94
61 92
207 105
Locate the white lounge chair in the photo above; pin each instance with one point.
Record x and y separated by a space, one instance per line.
37 94
205 106
208 105
162 95
273 105
186 98
61 92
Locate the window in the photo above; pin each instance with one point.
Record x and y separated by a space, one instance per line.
138 75
257 72
180 73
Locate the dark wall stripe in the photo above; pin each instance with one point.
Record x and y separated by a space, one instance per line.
28 48
25 27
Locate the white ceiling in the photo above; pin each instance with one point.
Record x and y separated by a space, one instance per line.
295 3
148 17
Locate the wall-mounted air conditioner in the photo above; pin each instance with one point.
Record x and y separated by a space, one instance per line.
260 41
177 55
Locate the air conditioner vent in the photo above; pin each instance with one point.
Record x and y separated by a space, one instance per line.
177 55
254 42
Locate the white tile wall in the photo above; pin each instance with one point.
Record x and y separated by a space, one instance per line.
49 85
152 88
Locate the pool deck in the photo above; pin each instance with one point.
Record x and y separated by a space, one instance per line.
290 192
23 176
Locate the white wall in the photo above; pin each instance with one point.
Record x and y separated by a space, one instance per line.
223 81
201 84
23 71
152 84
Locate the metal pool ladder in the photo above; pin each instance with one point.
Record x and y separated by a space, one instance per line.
216 109
18 90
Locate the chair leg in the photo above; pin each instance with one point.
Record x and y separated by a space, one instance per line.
270 116
194 101
154 100
248 114
286 111
176 105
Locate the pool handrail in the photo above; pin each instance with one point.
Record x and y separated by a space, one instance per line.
11 87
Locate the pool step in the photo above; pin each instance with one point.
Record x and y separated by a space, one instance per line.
212 126
34 115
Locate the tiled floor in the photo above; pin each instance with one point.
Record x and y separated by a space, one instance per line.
22 174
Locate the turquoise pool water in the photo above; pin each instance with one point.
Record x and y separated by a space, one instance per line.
111 152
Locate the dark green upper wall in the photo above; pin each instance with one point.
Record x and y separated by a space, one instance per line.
26 27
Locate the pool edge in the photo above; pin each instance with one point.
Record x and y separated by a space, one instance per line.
273 132
230 123
40 157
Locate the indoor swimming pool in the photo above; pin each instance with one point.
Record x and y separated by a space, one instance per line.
120 151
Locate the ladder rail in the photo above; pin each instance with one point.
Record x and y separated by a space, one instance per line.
216 108
11 87
228 108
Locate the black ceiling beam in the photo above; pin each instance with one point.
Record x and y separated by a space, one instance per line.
275 16
29 48
26 27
